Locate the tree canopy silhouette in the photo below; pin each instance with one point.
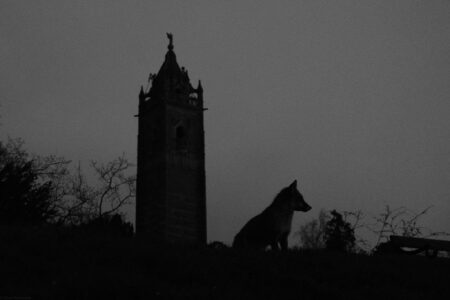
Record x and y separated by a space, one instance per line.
339 234
24 197
35 190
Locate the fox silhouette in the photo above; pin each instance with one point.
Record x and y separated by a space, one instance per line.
273 225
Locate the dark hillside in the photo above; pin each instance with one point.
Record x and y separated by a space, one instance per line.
45 265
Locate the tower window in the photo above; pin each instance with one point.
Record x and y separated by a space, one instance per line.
180 132
180 137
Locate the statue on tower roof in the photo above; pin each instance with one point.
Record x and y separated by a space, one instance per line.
170 37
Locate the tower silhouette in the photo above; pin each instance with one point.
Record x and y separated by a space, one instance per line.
171 195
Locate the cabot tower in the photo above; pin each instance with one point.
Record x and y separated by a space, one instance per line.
171 195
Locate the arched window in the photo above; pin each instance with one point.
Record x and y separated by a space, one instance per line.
180 137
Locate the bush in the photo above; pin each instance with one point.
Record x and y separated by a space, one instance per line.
339 235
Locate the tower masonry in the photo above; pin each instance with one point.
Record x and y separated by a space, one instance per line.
171 191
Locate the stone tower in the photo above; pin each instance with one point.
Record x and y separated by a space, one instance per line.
171 196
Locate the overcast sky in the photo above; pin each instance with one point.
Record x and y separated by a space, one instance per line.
352 98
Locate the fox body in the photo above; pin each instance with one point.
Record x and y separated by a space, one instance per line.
273 225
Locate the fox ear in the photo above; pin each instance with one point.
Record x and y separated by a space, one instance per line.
293 185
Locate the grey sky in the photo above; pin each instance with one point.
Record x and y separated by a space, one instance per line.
349 97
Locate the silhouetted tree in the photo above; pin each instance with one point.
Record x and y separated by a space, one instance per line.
41 189
85 202
339 234
401 221
312 234
25 186
358 225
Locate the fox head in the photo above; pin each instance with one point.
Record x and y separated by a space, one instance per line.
296 198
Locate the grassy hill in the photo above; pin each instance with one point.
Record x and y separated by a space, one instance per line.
49 266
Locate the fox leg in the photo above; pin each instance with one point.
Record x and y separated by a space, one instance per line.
274 246
284 241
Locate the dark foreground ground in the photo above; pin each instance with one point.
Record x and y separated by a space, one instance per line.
45 266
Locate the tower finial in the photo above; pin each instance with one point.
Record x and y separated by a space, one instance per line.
170 37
